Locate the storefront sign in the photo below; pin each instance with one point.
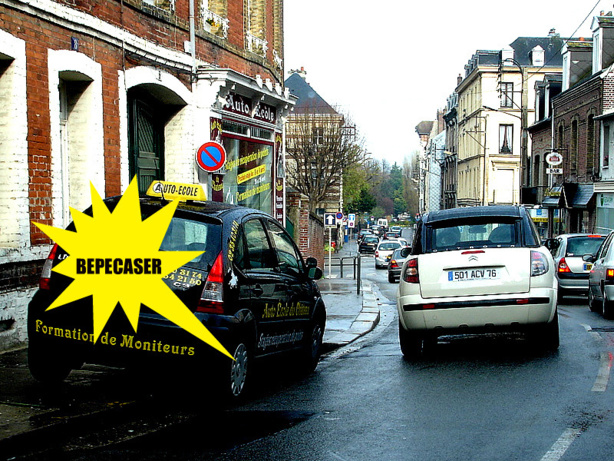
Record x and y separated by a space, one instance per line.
241 105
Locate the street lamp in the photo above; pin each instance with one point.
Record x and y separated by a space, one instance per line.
525 165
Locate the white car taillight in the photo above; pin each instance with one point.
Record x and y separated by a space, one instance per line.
410 274
539 263
212 297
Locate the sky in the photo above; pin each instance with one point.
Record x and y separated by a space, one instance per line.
390 64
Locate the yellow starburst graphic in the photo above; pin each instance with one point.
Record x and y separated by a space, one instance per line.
102 249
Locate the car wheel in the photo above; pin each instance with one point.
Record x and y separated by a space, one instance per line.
411 343
238 372
312 349
48 365
607 308
592 303
547 336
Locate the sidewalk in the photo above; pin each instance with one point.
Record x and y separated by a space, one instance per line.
350 315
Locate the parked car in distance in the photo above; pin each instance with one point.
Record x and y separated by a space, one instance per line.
477 270
251 288
601 279
395 263
383 252
572 270
368 244
363 233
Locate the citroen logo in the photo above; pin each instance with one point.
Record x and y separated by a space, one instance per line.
473 258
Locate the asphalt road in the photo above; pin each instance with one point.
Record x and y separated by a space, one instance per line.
472 398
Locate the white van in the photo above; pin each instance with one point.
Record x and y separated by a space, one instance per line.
383 222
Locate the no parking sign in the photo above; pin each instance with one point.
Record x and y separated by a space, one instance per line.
211 156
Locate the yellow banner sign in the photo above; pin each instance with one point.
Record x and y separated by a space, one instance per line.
250 174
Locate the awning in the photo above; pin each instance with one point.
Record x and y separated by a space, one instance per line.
583 196
553 198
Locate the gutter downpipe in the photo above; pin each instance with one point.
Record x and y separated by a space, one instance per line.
192 39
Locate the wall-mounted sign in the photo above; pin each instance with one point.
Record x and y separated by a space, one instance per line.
211 156
242 105
554 170
554 158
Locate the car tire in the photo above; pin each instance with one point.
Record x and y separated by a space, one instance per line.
592 303
411 343
547 336
607 308
310 354
48 365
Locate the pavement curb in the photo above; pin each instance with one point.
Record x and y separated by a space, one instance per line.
365 321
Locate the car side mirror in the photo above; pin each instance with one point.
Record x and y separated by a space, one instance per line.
315 273
311 262
552 244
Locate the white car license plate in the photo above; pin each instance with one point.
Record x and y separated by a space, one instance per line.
473 274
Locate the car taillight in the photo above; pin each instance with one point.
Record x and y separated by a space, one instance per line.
43 283
376 254
609 275
410 274
539 263
393 263
563 267
212 297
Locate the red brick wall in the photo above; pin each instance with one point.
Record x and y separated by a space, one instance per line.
309 229
166 30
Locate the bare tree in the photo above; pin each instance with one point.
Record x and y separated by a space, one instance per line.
319 147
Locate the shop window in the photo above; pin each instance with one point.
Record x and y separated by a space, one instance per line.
506 139
507 95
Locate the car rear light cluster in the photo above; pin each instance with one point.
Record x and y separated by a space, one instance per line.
609 275
539 263
393 263
43 283
410 274
563 267
376 254
212 297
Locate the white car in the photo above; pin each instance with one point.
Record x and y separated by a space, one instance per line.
474 270
384 251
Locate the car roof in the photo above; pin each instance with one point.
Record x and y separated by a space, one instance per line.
511 211
209 208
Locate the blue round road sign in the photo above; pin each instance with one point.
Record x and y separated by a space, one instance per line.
211 156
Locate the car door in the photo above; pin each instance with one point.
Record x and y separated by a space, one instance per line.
269 288
300 300
597 274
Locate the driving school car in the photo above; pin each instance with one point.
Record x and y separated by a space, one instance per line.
477 270
250 287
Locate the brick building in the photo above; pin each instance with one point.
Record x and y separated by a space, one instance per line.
105 90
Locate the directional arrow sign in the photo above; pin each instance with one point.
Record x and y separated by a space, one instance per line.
330 220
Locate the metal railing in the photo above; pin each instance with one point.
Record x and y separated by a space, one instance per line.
340 262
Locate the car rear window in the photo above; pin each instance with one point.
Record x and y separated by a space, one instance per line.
483 235
190 235
371 239
389 246
579 246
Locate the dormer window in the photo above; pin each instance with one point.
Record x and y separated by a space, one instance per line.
537 56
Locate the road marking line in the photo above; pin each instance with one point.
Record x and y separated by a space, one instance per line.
603 376
596 336
559 448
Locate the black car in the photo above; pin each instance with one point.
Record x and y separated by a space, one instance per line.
395 263
368 244
250 288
